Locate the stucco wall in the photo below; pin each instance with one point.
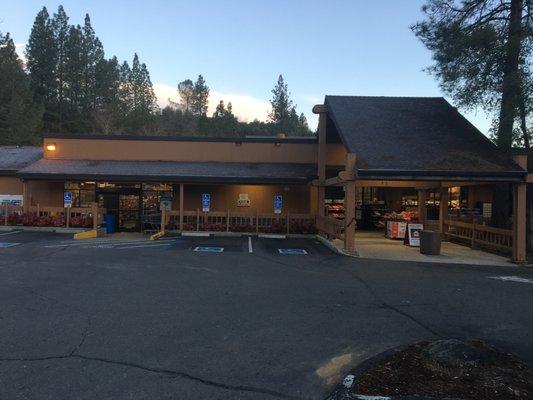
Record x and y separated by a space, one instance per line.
45 193
10 185
100 149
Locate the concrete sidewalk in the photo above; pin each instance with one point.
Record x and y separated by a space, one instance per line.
375 245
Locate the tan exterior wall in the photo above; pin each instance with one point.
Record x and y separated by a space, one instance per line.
45 193
99 149
224 198
10 185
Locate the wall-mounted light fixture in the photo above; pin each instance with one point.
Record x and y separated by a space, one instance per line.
51 146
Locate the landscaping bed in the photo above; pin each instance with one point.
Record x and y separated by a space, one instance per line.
445 369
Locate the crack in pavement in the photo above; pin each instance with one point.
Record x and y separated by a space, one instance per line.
157 370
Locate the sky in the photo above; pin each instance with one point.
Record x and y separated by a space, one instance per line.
335 47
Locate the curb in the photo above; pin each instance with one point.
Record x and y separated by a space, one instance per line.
51 229
335 249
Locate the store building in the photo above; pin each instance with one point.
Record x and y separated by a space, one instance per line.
374 158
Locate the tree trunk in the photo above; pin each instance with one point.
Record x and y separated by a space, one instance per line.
509 104
511 78
523 125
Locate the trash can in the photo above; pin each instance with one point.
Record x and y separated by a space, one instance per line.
110 222
430 243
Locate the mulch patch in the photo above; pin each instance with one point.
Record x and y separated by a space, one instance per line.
416 370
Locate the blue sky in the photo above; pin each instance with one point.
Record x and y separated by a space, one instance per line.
321 47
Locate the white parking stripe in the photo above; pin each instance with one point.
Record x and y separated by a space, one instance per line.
9 233
512 279
84 243
250 248
141 245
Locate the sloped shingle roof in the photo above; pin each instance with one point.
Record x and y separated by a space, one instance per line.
170 171
13 158
416 135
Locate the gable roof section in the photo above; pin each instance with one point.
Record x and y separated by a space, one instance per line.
14 158
414 136
169 171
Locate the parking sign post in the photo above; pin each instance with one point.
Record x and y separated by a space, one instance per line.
206 202
278 203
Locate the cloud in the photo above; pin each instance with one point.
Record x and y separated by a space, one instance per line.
245 107
19 48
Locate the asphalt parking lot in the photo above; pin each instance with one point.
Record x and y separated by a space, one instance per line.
137 319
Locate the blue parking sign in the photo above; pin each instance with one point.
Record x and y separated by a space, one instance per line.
206 202
67 199
278 203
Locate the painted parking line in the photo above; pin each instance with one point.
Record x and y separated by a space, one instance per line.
512 279
5 245
9 233
250 247
143 246
292 251
107 242
209 249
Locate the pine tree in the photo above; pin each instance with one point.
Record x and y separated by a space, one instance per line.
200 97
41 55
60 29
20 114
107 92
185 92
73 79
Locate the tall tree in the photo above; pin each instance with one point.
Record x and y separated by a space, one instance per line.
283 114
200 97
73 80
107 93
482 53
20 114
41 56
60 29
186 92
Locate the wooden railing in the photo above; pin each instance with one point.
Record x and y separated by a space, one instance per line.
39 212
480 235
239 222
330 226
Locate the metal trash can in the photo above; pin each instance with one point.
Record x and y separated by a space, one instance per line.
430 243
110 222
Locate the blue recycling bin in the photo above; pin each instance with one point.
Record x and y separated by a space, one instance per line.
110 222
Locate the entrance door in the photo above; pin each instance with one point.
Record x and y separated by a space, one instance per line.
110 202
129 211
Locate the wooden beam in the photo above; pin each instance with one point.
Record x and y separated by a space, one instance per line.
320 109
397 184
422 206
443 209
182 194
321 162
519 223
349 216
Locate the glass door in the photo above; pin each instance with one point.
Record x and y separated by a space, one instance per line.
129 211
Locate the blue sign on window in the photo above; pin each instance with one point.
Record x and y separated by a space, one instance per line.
67 199
278 203
206 202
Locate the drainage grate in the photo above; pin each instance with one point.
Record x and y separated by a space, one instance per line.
292 251
208 249
4 245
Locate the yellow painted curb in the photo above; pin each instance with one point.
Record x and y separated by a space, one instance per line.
93 233
157 235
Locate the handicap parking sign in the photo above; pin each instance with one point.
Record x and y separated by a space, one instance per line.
206 202
278 203
67 199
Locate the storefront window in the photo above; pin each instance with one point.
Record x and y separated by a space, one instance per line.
82 193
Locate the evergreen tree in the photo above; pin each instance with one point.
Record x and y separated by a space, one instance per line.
200 97
61 29
107 93
73 78
283 114
41 55
185 92
483 54
20 114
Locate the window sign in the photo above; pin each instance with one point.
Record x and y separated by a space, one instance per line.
11 199
413 232
487 210
166 203
244 200
206 202
278 203
67 199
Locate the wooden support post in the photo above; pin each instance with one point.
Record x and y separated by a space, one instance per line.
182 193
349 216
163 219
322 149
443 209
25 198
94 211
227 221
519 223
257 223
38 210
349 206
422 206
5 217
287 222
197 219
473 242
